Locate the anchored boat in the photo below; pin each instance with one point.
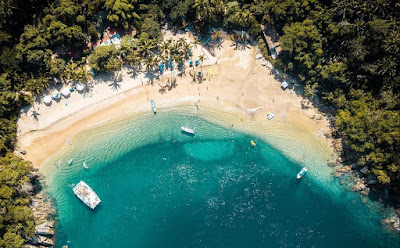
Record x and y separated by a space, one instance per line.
302 172
270 116
153 106
86 194
187 130
70 161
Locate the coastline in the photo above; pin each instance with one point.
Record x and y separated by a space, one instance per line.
240 96
241 86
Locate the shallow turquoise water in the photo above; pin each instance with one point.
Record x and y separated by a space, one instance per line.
161 188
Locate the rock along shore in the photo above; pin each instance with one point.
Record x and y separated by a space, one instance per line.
44 216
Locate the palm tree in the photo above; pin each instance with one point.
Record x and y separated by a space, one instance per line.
164 46
148 63
114 65
208 9
69 73
83 75
147 46
133 59
196 42
201 59
182 41
243 17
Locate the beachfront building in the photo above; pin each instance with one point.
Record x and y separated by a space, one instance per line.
272 39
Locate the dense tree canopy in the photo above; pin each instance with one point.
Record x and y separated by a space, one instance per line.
346 53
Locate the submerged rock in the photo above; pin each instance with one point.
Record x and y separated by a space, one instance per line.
392 223
360 185
342 170
365 191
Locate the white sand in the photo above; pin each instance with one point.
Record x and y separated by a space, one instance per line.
242 86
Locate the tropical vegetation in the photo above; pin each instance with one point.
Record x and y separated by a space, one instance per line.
344 52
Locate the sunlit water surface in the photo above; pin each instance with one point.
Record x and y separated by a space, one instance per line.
162 188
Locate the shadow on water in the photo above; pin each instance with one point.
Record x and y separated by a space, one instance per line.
187 134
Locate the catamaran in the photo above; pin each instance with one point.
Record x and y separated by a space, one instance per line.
187 130
153 106
86 195
302 172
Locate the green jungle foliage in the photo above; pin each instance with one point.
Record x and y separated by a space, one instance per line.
16 220
345 52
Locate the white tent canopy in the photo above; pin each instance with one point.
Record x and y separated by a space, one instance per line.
56 95
285 84
66 92
47 99
79 87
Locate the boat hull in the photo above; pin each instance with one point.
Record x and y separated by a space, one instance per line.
187 130
86 195
302 173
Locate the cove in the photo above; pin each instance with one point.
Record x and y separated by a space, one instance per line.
161 188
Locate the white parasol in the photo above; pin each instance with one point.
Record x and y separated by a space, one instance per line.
47 99
66 92
79 87
56 95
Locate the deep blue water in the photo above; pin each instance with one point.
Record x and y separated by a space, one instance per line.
161 188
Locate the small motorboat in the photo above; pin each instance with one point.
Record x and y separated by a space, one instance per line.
302 172
253 144
153 106
69 141
70 161
85 165
187 130
270 116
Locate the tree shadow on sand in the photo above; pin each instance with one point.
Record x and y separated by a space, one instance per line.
151 76
35 115
115 85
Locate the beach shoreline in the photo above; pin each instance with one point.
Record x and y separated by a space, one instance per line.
238 84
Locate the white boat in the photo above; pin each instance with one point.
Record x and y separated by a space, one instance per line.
84 165
270 116
69 141
70 161
86 194
187 130
153 106
302 172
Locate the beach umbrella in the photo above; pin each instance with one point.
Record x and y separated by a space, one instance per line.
47 99
284 84
79 87
56 95
65 92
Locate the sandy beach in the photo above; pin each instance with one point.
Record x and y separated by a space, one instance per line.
235 83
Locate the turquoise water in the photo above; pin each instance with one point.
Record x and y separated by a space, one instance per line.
162 188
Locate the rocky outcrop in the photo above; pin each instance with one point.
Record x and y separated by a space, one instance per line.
43 215
392 223
360 185
342 170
